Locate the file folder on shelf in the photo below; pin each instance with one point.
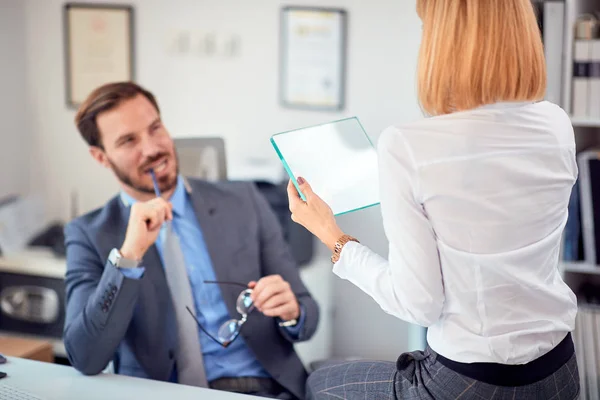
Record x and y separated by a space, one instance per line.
589 185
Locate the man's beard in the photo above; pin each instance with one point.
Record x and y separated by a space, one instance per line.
165 184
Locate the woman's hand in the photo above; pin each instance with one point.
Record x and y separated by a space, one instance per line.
314 214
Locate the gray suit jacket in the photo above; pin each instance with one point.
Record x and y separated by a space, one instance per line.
131 322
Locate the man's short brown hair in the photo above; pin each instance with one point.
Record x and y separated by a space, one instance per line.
102 99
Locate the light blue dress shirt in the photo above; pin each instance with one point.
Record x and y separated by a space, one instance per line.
236 360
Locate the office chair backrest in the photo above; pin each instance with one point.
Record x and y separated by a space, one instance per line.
205 158
202 157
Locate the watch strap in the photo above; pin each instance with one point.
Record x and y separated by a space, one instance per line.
339 245
116 258
290 323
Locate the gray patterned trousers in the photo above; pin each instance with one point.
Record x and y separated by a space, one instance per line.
419 375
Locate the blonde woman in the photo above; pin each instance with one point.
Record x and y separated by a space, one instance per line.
474 201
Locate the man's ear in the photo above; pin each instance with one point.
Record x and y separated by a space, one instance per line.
100 156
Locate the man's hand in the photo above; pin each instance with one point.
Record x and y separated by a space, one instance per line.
144 226
274 298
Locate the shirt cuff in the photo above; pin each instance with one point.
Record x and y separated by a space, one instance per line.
132 273
356 262
295 330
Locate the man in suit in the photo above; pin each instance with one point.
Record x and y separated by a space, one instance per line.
125 260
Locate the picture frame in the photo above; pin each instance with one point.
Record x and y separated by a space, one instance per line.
313 43
99 47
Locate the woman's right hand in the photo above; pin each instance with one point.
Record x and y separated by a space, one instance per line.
313 214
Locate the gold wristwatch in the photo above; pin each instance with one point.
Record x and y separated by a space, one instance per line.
339 245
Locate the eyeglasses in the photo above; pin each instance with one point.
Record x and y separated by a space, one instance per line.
230 329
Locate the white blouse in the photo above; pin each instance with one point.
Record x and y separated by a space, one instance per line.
474 204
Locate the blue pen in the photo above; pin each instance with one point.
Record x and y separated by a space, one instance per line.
156 189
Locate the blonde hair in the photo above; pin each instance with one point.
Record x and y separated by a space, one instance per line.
477 52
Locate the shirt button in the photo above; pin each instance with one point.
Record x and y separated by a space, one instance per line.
114 289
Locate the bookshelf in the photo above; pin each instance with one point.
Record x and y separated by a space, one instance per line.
574 9
585 122
580 268
581 276
587 129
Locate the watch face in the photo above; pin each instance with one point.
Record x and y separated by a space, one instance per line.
122 262
114 256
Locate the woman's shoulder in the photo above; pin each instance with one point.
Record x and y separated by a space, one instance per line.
409 134
502 114
399 142
391 138
461 133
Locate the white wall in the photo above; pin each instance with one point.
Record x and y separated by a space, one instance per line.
236 99
14 128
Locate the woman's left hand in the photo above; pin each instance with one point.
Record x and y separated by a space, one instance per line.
313 214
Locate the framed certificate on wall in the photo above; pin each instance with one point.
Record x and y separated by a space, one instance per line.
313 58
98 47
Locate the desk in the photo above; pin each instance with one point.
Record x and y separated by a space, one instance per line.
26 348
58 382
58 347
42 264
39 268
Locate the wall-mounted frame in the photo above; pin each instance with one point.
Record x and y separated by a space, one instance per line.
312 71
99 47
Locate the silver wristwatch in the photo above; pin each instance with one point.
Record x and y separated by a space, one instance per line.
116 258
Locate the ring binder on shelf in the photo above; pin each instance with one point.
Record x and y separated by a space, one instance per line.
589 186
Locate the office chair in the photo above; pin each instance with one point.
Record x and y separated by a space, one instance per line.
205 158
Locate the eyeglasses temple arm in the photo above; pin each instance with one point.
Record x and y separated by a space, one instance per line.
204 330
228 283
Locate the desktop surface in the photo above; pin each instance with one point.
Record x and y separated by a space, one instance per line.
48 381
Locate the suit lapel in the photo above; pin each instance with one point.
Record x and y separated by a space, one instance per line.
213 222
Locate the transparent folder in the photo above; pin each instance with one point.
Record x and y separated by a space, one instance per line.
338 159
